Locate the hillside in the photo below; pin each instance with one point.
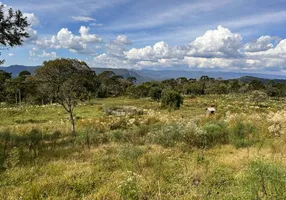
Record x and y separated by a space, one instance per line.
16 69
248 79
159 75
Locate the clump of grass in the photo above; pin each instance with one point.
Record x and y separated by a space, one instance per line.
264 180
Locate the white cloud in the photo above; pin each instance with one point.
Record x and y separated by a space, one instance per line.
86 37
117 47
96 24
275 52
48 55
83 18
66 39
217 43
160 50
261 44
32 19
10 54
35 54
122 40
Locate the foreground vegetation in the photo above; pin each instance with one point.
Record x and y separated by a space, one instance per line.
147 154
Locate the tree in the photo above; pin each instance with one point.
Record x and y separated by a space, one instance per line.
171 100
12 28
155 93
67 81
132 79
4 76
24 73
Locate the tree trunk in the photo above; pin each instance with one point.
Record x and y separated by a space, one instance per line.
72 123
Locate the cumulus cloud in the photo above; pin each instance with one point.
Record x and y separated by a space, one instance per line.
83 18
278 51
35 54
217 49
261 44
32 19
48 55
75 43
217 43
122 40
118 46
160 50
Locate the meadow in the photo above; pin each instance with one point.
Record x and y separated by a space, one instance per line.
237 153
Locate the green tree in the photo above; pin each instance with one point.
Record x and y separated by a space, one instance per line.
4 76
67 81
155 93
12 28
171 100
24 74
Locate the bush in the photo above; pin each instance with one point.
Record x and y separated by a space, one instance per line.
171 100
258 96
216 133
155 93
243 135
169 135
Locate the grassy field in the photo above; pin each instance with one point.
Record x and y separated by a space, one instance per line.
239 153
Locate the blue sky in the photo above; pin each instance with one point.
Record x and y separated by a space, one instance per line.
227 35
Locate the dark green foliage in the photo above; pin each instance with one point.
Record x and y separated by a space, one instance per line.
171 100
24 74
12 28
155 93
140 91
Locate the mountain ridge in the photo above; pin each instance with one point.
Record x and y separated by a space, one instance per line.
145 75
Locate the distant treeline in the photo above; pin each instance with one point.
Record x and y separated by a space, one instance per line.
24 89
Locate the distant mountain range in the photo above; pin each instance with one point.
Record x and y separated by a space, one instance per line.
159 75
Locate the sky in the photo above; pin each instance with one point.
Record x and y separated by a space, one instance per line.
222 35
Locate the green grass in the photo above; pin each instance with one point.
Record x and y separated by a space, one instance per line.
158 155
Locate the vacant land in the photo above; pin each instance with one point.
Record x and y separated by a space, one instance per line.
238 153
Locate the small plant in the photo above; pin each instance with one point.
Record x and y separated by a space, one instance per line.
12 159
129 189
34 139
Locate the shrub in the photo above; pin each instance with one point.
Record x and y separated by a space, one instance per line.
169 135
258 96
155 93
171 100
216 133
243 135
209 135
